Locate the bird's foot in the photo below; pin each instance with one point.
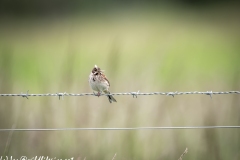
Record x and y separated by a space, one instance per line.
97 94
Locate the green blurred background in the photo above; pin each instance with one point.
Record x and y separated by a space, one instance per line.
51 46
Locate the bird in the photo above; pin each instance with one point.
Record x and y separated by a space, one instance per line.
99 82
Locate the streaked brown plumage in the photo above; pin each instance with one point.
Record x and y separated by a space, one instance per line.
99 82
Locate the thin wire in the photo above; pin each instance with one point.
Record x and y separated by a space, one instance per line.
134 94
133 128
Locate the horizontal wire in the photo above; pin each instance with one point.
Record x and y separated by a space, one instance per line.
133 128
134 94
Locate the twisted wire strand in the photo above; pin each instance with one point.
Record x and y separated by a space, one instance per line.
134 94
133 128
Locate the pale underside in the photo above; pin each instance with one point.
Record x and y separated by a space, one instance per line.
97 85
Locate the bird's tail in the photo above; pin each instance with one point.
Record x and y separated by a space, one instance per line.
111 98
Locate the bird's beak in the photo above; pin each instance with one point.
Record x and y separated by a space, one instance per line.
95 66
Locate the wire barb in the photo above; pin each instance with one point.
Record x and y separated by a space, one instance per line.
61 95
209 93
25 95
172 94
134 94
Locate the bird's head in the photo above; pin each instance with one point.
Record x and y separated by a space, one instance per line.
96 70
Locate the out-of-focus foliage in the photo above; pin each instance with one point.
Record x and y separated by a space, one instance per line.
45 8
147 48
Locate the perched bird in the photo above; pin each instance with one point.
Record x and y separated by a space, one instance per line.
99 82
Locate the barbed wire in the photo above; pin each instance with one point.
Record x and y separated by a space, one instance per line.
132 128
134 94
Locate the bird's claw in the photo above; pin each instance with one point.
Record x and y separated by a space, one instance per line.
97 94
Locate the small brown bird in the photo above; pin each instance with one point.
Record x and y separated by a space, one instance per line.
99 82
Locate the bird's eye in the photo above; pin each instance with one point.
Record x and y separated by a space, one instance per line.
94 70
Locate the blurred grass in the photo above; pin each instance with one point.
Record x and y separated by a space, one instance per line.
147 50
